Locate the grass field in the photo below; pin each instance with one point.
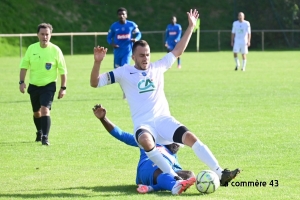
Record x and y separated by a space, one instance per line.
248 119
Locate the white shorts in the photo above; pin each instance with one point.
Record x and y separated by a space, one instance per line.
240 48
162 129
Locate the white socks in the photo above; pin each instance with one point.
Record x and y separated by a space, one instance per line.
237 62
244 65
157 158
206 156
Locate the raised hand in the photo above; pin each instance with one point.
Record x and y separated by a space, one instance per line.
192 17
99 53
99 111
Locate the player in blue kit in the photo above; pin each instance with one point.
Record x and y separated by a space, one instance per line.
149 177
173 35
121 36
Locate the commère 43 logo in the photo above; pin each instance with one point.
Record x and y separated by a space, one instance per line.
146 86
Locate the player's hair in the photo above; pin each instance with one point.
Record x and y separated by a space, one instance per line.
141 43
44 25
121 9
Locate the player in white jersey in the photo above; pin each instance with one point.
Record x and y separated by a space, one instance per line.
240 39
143 85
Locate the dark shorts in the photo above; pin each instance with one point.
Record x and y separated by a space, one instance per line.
41 95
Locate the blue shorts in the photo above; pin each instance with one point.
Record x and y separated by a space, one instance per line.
120 61
171 45
145 173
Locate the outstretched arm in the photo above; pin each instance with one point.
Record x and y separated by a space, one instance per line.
182 44
115 131
99 54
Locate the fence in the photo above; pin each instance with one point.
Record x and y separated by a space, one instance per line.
215 43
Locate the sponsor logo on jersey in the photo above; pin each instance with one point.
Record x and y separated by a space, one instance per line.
240 31
173 33
123 36
146 86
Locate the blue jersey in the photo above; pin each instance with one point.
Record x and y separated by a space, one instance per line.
121 35
146 167
172 35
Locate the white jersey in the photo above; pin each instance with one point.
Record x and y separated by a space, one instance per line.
144 89
241 31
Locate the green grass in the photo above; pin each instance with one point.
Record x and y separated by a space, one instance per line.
248 119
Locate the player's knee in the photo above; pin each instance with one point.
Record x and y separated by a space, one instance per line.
37 114
189 139
45 111
145 139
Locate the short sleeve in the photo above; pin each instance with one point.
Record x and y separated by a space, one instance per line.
61 63
111 77
25 62
166 62
233 31
135 29
249 28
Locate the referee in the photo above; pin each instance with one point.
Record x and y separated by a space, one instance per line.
45 61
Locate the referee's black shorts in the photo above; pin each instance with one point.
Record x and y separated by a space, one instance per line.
41 95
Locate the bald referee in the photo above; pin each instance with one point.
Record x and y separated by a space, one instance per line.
45 61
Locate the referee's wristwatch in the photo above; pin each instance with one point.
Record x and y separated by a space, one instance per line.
21 82
63 87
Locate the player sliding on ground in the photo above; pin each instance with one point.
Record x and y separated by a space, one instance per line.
149 177
143 85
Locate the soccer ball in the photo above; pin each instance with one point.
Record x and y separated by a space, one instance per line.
207 181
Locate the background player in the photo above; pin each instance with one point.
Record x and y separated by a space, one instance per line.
149 177
121 36
143 85
240 39
172 37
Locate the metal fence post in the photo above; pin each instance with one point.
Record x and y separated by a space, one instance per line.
20 45
71 44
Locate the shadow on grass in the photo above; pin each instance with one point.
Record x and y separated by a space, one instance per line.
119 190
100 191
17 143
43 195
